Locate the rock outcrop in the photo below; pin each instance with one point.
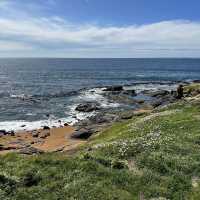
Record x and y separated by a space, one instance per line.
81 134
30 151
87 107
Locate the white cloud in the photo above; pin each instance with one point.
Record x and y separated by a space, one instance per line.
14 46
56 36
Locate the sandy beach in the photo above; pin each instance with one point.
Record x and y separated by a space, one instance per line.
52 140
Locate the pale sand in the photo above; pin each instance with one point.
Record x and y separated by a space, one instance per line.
59 140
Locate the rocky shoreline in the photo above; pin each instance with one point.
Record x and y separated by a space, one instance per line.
131 103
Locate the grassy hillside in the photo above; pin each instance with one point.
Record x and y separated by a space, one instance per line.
155 156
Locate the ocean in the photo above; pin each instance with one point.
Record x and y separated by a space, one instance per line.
41 91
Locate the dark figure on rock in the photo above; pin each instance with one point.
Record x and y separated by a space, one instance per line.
180 92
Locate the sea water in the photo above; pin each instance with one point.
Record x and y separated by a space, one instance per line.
38 91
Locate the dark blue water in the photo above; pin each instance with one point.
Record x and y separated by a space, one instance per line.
30 89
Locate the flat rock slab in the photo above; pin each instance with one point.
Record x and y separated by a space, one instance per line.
81 134
30 151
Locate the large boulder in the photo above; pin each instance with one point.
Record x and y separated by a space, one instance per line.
46 128
66 124
96 122
87 107
3 132
196 81
81 134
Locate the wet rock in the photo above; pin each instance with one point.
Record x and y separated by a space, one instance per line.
23 126
46 128
116 88
30 151
35 134
66 124
3 132
87 107
81 134
12 133
196 81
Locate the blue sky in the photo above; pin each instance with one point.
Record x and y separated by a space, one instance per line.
99 28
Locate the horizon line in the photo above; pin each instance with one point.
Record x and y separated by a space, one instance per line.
34 57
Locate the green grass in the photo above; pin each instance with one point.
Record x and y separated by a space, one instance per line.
152 156
195 87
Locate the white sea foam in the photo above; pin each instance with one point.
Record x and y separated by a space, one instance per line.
18 96
76 115
96 95
29 126
92 95
73 116
151 86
